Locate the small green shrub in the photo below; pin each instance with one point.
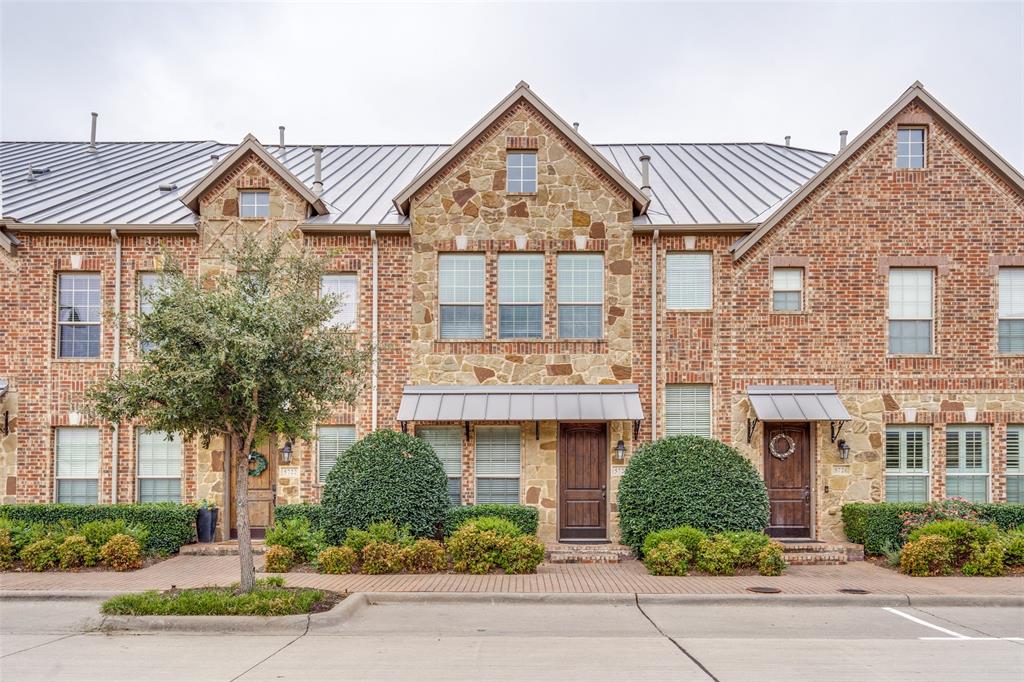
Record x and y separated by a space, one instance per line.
717 556
336 560
278 559
892 552
1005 515
749 545
688 535
6 550
669 557
988 560
98 533
297 535
357 539
75 552
424 556
385 532
927 555
521 554
382 557
493 523
268 599
879 524
40 555
966 536
1013 541
121 553
301 510
526 518
22 533
476 551
771 559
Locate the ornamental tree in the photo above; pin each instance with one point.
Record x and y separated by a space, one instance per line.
243 353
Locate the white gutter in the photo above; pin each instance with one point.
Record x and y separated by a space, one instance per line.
373 335
115 436
654 335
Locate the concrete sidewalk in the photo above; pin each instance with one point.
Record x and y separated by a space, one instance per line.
627 577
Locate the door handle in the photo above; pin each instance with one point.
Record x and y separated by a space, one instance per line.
807 494
604 492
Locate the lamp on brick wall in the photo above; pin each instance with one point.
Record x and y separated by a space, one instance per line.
620 452
286 452
844 449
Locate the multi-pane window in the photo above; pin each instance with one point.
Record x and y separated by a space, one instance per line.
159 466
497 464
906 464
447 443
1014 467
787 289
967 463
521 169
688 281
910 147
254 204
78 315
461 294
521 296
1011 310
910 311
344 288
151 288
78 465
580 295
331 442
688 409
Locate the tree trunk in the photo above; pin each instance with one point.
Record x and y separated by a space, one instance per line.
248 570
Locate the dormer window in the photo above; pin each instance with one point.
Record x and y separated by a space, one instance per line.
910 146
254 204
521 170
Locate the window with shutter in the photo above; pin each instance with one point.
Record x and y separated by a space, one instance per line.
688 409
78 465
910 311
159 466
461 295
967 471
447 443
497 464
331 442
688 281
1014 470
906 464
521 296
1011 310
580 296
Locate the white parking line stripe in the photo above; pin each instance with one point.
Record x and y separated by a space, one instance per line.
953 636
925 623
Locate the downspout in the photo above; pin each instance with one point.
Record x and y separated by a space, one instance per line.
373 335
654 335
115 436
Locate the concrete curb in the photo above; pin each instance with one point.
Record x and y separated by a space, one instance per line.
562 598
878 600
50 595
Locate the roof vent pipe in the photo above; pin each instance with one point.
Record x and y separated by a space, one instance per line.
92 134
645 174
787 140
280 130
318 182
576 126
214 159
842 139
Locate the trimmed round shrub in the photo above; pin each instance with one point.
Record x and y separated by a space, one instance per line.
1014 543
690 481
524 516
717 556
476 551
75 552
382 531
278 559
771 559
122 553
98 533
749 546
688 535
966 536
424 556
493 523
382 557
669 557
927 555
296 535
336 560
988 560
521 554
40 555
386 476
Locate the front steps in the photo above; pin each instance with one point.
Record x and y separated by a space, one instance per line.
810 553
586 553
229 548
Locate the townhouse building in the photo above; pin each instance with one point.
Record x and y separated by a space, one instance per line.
853 323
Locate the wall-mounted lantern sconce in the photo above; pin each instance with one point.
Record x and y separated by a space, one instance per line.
620 452
286 452
844 449
521 240
461 242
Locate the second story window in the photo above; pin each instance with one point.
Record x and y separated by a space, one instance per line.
520 296
910 311
1011 310
461 295
521 171
78 315
910 147
580 295
787 289
688 281
254 204
345 288
150 291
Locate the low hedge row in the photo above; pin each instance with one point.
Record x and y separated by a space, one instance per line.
525 518
170 525
877 525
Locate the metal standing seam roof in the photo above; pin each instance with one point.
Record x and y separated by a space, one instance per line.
119 183
799 403
520 403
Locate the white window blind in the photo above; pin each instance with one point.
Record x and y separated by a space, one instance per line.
906 464
520 295
331 442
688 281
1014 467
78 465
967 463
497 464
461 295
580 295
688 409
159 466
345 289
447 443
910 310
787 289
1011 310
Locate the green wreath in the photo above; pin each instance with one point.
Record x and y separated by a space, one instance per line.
261 464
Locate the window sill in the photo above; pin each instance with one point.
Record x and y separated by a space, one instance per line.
790 312
254 218
85 360
689 310
520 194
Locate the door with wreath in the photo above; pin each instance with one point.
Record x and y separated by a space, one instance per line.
787 475
262 489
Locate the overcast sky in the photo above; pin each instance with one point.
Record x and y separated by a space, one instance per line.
630 72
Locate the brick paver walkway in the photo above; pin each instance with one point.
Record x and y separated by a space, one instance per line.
627 577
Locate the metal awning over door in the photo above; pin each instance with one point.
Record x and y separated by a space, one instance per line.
453 403
796 403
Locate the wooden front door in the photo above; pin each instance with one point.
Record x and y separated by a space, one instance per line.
582 482
787 475
262 493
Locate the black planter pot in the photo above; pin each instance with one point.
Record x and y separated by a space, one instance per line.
206 524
